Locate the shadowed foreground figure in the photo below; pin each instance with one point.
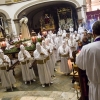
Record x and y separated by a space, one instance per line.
89 59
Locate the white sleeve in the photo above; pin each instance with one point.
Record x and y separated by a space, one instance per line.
8 60
19 57
81 60
1 61
36 56
27 54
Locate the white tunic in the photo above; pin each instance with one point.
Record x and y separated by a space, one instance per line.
7 78
43 70
49 60
64 53
89 59
27 73
72 44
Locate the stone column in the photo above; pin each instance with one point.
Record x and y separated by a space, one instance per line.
9 26
17 25
89 5
79 12
83 11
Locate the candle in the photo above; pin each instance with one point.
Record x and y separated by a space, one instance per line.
3 44
44 33
34 39
20 36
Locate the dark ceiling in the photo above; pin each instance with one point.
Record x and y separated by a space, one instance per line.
42 6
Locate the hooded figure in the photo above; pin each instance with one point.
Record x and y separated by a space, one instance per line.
72 44
7 78
26 62
50 48
40 55
64 52
49 60
54 39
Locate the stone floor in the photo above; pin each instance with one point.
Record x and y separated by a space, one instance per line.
61 89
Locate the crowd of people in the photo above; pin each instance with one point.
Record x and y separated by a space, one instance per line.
54 48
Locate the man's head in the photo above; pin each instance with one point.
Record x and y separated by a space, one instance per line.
64 44
22 48
38 47
79 43
96 28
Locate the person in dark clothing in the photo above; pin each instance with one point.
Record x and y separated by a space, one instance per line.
79 46
85 41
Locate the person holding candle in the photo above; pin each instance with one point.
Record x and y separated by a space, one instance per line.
26 65
7 78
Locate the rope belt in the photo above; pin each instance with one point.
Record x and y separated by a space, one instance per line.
51 53
4 67
23 63
47 58
41 61
64 55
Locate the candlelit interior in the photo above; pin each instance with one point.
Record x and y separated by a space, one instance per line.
56 11
40 42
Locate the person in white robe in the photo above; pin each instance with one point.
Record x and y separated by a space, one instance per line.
26 65
50 33
57 43
80 29
76 38
54 38
89 59
71 29
40 55
64 33
7 78
72 44
50 48
64 52
49 61
24 28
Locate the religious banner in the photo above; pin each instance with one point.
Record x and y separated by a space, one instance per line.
65 18
92 17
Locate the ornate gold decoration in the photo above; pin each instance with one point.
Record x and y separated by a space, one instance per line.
64 10
47 26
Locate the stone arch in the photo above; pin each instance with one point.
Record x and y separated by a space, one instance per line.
4 13
44 1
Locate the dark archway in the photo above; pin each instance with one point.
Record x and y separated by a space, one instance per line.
34 14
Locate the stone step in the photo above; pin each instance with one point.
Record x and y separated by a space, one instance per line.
36 98
38 95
